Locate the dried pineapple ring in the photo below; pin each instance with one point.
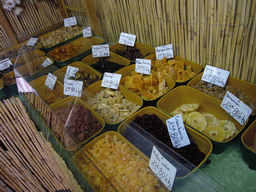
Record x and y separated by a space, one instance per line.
197 121
189 107
210 118
216 133
229 127
177 111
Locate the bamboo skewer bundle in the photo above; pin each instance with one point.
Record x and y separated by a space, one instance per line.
30 161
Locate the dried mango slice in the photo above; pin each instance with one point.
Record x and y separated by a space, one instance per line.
211 119
197 121
189 107
216 133
229 128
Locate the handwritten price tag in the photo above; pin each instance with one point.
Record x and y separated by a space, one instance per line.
111 80
236 108
47 62
162 168
100 50
73 88
127 39
71 72
215 75
50 81
70 21
177 131
32 41
143 66
5 64
87 32
164 51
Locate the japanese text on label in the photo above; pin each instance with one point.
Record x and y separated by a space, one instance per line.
87 32
71 71
100 50
47 62
236 108
32 41
70 21
50 81
5 64
127 39
164 51
111 80
163 169
143 66
177 131
73 88
215 76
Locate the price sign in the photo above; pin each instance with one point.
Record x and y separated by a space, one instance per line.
236 108
215 75
100 50
47 62
87 32
50 81
32 41
177 131
111 80
5 64
164 51
162 168
127 39
73 88
143 66
70 21
71 72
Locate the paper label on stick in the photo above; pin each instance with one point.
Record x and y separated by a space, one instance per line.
215 75
5 64
162 168
71 72
70 21
143 66
164 51
127 39
73 88
111 80
236 108
47 62
87 32
50 81
100 50
177 131
32 41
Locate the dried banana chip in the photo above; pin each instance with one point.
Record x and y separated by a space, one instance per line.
210 118
189 107
197 121
229 128
216 133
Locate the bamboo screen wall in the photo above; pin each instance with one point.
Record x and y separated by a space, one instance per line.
4 41
214 32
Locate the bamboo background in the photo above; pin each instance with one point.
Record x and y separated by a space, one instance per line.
4 41
209 32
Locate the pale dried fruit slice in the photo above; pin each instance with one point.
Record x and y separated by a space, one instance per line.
196 120
189 107
177 111
216 133
210 118
229 127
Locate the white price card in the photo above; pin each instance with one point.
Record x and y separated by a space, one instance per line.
111 80
236 108
5 64
143 66
87 32
71 72
164 51
177 131
100 50
162 168
70 21
50 81
215 75
73 88
127 39
47 62
32 41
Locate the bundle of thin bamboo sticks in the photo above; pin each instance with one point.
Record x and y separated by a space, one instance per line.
4 41
28 162
36 101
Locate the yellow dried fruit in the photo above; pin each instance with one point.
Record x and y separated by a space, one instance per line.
189 107
229 128
216 133
210 118
197 121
